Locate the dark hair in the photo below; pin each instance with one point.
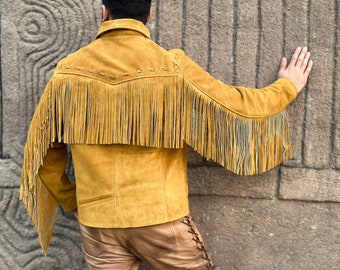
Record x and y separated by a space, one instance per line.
128 9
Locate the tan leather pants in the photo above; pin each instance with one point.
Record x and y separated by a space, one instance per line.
175 245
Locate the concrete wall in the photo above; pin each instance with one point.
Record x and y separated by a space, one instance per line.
287 218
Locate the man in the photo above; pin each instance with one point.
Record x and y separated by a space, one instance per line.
128 108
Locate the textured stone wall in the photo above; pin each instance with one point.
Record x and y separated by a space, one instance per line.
287 218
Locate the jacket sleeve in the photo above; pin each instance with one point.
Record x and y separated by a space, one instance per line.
52 175
243 129
245 102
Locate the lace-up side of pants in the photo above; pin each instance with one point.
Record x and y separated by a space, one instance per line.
199 242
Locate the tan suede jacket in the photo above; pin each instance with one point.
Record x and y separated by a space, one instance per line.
128 108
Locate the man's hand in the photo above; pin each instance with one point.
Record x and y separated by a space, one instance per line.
298 68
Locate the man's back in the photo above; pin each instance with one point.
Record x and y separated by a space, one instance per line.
128 108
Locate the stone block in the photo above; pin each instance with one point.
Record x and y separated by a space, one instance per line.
170 23
310 185
336 103
295 34
10 173
195 39
318 123
336 131
256 234
270 47
220 40
217 181
245 42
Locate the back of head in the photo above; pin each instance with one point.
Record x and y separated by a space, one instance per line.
129 9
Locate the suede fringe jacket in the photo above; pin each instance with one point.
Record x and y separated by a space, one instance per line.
128 108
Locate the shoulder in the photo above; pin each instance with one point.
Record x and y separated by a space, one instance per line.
77 55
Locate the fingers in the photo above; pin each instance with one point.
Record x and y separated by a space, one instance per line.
283 64
295 57
309 68
300 59
305 61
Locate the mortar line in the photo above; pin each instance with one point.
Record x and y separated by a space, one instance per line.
259 42
157 21
209 33
230 196
304 123
336 64
278 182
184 24
235 30
284 23
1 93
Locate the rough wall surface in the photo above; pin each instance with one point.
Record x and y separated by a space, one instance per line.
287 218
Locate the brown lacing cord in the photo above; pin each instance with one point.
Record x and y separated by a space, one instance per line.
200 245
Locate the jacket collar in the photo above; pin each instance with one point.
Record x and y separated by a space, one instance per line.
123 24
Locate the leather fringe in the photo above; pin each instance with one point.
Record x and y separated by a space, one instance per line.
153 112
